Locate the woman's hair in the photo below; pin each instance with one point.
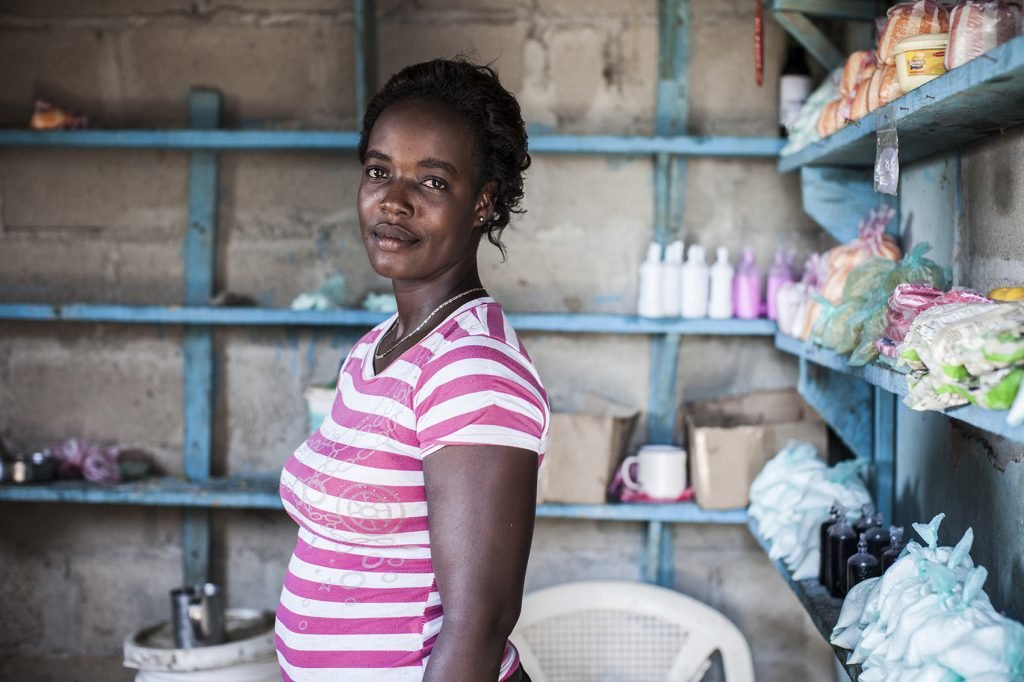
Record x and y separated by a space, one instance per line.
474 93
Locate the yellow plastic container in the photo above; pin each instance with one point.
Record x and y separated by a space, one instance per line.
921 58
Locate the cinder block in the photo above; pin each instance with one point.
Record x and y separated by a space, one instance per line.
100 383
499 45
746 203
285 73
95 8
594 247
724 96
994 196
711 367
254 547
65 65
130 195
578 9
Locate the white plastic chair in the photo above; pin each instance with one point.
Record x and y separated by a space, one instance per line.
607 630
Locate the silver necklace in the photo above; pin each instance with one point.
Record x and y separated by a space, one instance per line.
381 356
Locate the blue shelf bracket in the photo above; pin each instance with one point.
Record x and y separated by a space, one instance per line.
807 34
837 199
884 455
364 15
845 402
198 256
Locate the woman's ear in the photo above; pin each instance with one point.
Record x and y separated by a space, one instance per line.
485 203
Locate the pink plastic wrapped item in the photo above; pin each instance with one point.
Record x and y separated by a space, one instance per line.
910 300
976 26
910 19
97 463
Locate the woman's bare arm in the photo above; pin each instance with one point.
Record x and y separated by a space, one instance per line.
481 504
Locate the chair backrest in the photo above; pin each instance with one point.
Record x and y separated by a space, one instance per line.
606 630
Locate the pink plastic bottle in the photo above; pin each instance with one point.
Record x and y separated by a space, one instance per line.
746 288
780 273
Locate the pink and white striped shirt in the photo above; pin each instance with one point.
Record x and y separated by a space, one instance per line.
360 601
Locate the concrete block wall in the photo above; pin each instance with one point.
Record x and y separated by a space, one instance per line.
107 226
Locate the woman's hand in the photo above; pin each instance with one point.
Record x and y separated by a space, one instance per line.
481 501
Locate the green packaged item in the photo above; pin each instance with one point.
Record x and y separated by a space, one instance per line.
869 279
916 269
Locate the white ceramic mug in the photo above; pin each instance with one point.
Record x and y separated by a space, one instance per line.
660 471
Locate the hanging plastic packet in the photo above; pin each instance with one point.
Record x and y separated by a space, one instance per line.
887 152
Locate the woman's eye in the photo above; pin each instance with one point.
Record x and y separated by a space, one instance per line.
376 173
435 183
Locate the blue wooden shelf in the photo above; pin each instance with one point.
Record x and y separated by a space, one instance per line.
970 103
993 421
261 492
598 323
325 140
822 607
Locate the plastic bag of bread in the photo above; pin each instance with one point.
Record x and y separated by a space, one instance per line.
859 109
976 27
884 87
911 19
829 121
855 70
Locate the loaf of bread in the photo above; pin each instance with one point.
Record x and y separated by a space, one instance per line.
859 108
884 87
854 71
976 27
910 19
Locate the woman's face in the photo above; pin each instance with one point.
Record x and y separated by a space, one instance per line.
420 201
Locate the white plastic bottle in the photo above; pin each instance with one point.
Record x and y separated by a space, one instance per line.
672 280
649 299
720 300
695 283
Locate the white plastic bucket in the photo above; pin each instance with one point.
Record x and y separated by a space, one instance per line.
249 654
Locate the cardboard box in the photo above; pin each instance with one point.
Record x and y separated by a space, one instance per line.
729 440
584 450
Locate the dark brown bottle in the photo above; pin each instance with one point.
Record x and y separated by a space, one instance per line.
861 566
877 537
833 516
842 544
866 520
896 546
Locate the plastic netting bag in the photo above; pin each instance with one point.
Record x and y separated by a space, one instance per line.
869 279
916 269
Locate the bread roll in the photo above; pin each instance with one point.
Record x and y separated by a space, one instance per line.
854 71
976 27
859 109
911 19
827 122
884 87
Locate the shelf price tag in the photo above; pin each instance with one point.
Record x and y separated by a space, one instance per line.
887 152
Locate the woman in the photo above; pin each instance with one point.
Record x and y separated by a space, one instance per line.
415 498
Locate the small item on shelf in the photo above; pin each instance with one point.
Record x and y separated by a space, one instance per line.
877 536
805 130
329 296
794 88
920 59
859 109
37 467
887 155
842 544
1007 294
230 299
720 305
911 19
833 517
895 548
858 64
884 86
672 280
382 302
862 565
660 473
778 274
46 116
649 297
696 282
975 27
96 463
746 288
866 519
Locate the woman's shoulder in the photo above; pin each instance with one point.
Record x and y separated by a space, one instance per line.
482 326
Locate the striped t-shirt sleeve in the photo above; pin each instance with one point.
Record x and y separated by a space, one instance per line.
480 391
